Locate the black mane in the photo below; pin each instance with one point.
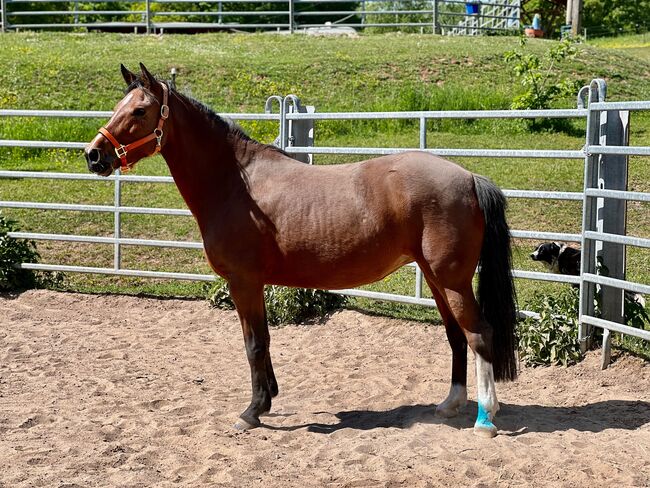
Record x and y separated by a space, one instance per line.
227 125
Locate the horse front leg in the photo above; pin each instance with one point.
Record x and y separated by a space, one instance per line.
249 301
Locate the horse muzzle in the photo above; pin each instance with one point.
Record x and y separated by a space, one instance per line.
99 162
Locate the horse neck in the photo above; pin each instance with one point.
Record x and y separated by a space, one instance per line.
206 164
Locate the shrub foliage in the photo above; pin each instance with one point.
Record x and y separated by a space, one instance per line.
553 338
14 251
283 304
538 75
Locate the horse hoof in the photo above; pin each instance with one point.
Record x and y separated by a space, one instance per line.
243 425
446 413
488 430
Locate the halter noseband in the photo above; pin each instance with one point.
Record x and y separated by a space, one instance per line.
122 150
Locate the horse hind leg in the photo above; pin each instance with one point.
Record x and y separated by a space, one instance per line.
478 334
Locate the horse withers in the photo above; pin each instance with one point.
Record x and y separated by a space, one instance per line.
266 218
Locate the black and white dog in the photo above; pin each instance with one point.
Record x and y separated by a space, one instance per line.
558 258
562 259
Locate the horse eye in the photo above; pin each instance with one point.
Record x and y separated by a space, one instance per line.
139 112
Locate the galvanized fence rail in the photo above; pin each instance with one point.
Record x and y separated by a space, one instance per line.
296 137
438 16
295 122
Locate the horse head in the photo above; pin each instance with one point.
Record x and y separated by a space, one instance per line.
135 130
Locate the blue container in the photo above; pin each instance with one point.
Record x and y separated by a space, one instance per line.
472 8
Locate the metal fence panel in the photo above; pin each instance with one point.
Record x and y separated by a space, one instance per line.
436 16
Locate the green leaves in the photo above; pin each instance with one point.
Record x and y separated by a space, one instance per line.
538 75
283 304
553 338
16 251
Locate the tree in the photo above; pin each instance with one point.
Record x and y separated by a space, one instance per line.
553 13
599 17
606 17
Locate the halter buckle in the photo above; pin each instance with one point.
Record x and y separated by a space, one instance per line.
164 112
121 152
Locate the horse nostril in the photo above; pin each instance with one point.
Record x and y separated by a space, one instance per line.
93 156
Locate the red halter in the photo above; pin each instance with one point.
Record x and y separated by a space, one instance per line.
157 134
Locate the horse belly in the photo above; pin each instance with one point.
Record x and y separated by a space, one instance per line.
333 264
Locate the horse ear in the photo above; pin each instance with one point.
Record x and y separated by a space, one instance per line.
148 78
128 76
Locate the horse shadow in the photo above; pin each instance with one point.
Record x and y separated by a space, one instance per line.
512 420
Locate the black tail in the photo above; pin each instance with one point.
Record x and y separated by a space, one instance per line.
496 291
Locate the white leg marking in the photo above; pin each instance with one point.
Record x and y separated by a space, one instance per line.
487 398
456 400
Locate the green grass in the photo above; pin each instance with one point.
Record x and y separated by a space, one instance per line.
637 45
236 73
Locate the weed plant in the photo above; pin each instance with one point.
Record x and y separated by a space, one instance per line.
16 251
284 305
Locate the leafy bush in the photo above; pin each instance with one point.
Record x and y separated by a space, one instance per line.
635 312
13 251
283 304
553 338
541 83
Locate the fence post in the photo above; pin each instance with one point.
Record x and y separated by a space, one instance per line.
291 15
3 15
612 218
148 15
596 93
300 133
117 222
436 27
423 145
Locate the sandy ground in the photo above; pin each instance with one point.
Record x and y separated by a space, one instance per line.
131 392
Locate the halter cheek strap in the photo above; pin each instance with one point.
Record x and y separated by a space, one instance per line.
121 150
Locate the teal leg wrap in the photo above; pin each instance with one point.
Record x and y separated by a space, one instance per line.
483 419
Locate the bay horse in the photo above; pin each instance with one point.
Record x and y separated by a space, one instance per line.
266 218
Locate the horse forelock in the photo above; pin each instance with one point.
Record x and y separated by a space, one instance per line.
139 84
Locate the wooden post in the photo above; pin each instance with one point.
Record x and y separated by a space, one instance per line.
576 17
